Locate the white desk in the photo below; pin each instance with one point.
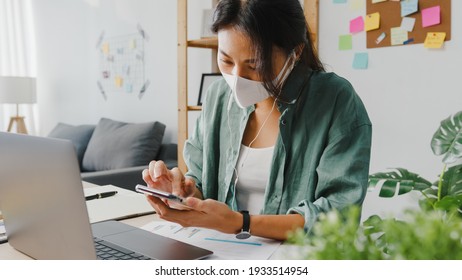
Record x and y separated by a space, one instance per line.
9 253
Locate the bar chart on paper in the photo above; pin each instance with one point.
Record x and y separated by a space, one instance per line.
224 246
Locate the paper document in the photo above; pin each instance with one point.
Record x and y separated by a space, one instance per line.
124 204
223 246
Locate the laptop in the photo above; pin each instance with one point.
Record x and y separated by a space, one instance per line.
45 213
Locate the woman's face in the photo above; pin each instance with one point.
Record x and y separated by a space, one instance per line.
235 56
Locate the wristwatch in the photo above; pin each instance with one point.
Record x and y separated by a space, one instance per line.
245 232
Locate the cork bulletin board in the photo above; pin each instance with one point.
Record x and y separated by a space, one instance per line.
390 16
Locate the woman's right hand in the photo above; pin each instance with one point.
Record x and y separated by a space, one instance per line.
158 176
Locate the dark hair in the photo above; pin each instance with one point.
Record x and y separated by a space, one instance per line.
269 23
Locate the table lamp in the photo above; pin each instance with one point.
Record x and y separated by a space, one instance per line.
17 90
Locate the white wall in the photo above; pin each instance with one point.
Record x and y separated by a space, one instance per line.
407 91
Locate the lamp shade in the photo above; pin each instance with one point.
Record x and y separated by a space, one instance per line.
17 90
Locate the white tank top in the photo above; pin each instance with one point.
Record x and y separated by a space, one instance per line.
253 169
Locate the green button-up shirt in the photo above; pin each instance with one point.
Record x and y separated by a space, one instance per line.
321 156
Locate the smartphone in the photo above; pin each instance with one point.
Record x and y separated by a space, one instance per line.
173 201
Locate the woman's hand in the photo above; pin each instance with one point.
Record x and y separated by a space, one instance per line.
205 213
159 177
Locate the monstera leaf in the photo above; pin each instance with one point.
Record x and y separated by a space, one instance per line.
400 179
451 191
447 140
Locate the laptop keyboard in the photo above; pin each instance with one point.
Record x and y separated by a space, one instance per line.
108 251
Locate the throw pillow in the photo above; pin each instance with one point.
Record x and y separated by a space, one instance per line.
117 144
79 135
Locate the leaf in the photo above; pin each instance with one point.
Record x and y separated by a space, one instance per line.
449 202
400 179
373 224
447 140
452 180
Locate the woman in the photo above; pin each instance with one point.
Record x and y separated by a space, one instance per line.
278 137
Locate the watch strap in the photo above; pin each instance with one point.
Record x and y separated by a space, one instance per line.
246 221
245 232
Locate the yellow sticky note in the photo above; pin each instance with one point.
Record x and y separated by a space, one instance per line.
132 44
119 81
105 48
398 36
356 5
372 21
434 40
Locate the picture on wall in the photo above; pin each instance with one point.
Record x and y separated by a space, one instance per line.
206 81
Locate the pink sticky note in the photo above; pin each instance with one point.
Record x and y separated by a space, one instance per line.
357 25
431 16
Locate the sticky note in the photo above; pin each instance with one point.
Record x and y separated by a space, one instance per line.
128 88
118 81
105 48
339 1
407 23
132 44
378 1
434 40
357 25
372 21
361 61
409 7
398 36
431 16
345 42
357 5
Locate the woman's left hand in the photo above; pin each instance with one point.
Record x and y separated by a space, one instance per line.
207 213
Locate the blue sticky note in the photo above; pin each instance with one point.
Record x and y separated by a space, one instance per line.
409 7
361 61
339 1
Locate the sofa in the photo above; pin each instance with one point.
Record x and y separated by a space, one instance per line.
115 153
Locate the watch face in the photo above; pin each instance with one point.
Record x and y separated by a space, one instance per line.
243 235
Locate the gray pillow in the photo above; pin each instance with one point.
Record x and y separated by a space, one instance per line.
116 145
79 135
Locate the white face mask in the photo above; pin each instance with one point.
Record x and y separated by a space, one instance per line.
248 92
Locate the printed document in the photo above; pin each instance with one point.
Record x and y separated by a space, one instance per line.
223 246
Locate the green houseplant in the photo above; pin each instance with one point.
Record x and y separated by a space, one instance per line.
435 232
446 192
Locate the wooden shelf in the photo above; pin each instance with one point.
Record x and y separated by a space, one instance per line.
206 43
194 108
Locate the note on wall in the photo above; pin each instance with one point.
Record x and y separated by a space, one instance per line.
345 42
407 23
434 40
372 22
339 1
105 48
357 25
431 16
357 5
361 61
409 7
398 36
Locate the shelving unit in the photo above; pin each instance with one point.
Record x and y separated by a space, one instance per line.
311 8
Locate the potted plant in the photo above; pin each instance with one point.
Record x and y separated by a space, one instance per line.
435 232
446 192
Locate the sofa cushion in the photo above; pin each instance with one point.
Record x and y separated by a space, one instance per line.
79 135
117 144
